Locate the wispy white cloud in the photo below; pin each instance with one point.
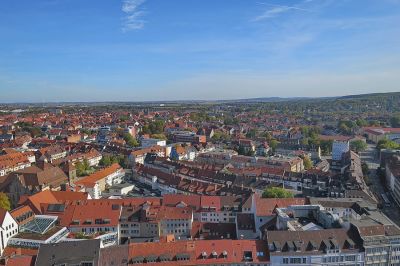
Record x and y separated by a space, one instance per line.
276 10
133 19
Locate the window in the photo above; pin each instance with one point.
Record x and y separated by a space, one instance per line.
295 260
351 258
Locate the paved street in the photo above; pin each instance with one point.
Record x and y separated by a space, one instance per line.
370 156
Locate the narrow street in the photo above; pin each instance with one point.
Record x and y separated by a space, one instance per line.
370 156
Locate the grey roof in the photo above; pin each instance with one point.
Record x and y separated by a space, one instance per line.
73 252
114 255
313 241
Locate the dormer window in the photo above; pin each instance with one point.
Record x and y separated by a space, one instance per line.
214 254
276 246
248 256
225 254
204 255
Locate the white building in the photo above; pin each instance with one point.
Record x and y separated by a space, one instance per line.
120 189
147 143
8 228
173 220
322 247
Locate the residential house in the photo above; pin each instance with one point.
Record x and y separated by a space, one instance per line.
321 247
50 153
8 228
97 182
15 161
30 180
85 253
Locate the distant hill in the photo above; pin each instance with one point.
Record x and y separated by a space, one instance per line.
265 100
370 95
367 96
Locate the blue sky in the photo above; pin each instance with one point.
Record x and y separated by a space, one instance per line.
134 50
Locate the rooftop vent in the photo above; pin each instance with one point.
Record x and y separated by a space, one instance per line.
204 254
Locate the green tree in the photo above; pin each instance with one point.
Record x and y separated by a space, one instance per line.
361 122
251 134
365 169
123 118
305 130
358 145
326 146
219 135
34 131
395 121
108 160
83 168
374 123
146 129
344 129
231 121
268 136
4 201
130 140
241 151
308 164
277 192
105 160
304 142
156 127
250 153
159 136
387 144
273 144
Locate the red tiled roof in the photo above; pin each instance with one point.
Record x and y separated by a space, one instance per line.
24 260
89 210
35 200
234 250
13 159
211 201
20 210
51 197
9 251
97 209
373 230
70 195
96 176
165 212
175 199
384 129
266 206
